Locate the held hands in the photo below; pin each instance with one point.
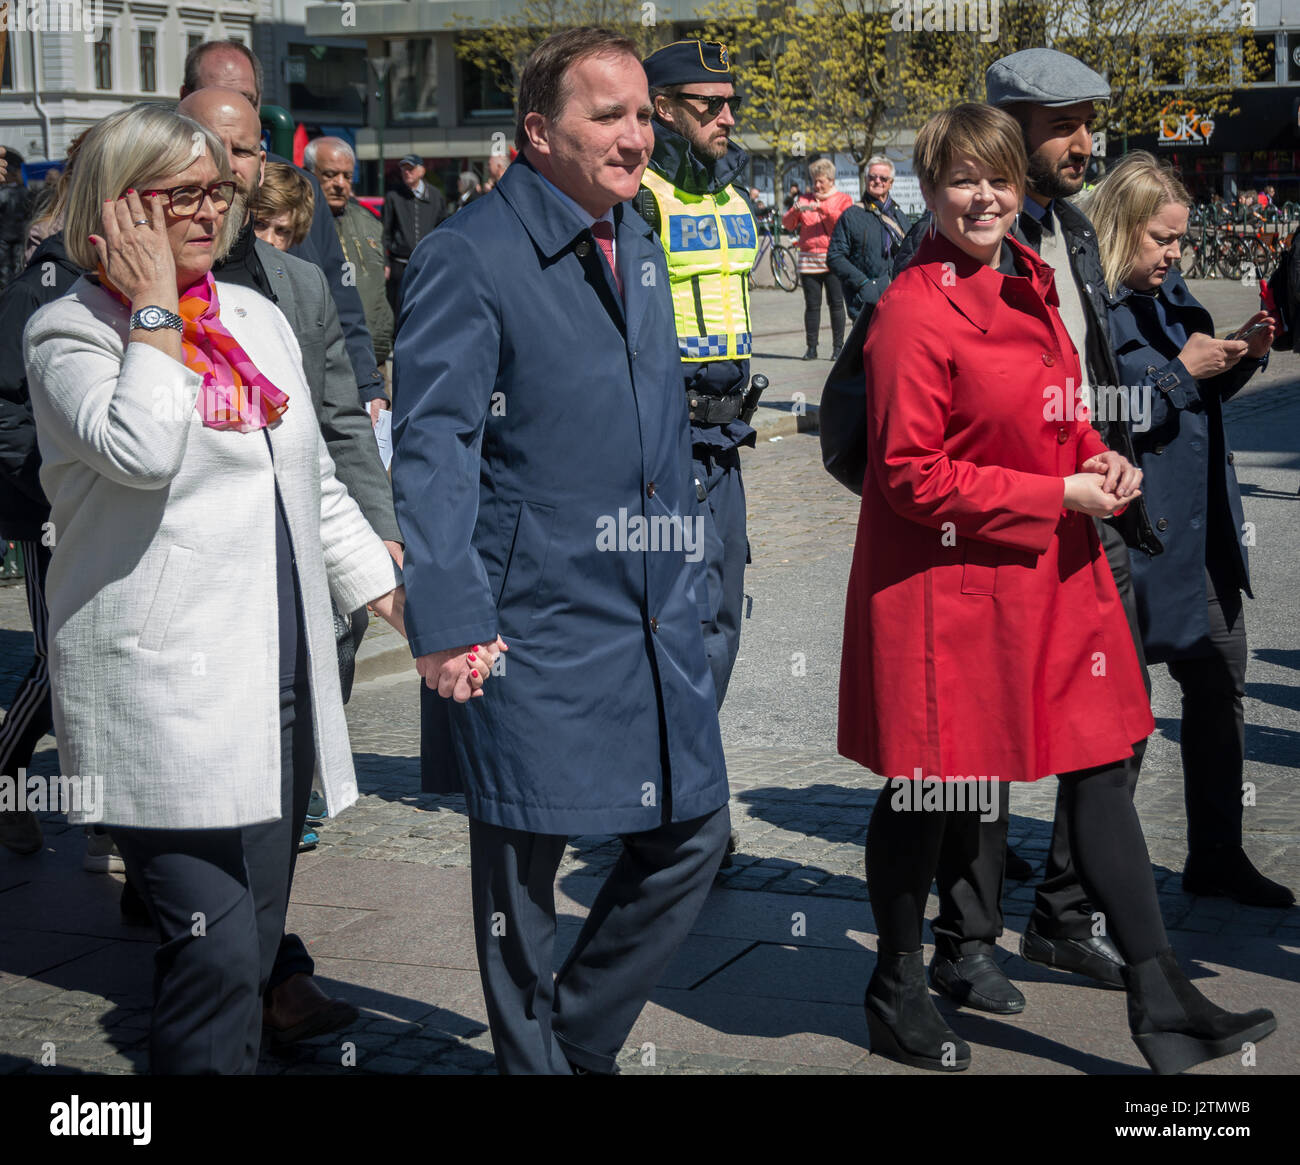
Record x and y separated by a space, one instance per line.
1258 344
1105 484
138 259
460 672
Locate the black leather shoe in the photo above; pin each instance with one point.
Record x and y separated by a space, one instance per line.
976 981
811 354
1229 873
1094 957
1017 869
836 349
902 1020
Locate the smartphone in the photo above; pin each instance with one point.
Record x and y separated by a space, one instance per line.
1248 332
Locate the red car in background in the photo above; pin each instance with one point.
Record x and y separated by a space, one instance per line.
373 203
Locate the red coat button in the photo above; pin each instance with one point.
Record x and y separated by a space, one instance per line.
1062 435
1049 359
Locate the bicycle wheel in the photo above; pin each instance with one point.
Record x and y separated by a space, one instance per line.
1233 258
1189 258
785 268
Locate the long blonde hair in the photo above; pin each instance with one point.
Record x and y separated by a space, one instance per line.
1122 204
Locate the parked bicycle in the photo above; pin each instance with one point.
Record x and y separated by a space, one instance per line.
781 256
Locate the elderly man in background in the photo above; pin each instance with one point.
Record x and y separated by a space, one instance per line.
496 166
360 234
469 187
411 211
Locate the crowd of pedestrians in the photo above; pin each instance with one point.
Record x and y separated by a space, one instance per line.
187 410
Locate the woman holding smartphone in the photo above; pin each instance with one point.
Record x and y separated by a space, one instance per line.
1189 597
984 636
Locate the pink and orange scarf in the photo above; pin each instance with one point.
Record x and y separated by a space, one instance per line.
234 394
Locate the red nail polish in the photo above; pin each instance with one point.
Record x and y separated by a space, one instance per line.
474 674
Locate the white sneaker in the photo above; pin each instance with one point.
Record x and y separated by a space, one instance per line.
101 854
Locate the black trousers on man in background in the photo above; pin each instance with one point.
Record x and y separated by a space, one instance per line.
580 1018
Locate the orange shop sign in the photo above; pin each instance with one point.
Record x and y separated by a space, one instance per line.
1181 125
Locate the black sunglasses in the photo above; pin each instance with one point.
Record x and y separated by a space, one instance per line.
713 105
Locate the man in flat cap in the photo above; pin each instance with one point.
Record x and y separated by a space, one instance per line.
1053 96
411 211
706 226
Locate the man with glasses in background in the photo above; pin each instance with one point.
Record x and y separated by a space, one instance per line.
865 238
706 226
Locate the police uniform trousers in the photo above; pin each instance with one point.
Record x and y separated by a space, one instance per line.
973 855
546 1023
726 553
218 897
30 714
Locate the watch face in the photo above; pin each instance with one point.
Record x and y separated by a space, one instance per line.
151 317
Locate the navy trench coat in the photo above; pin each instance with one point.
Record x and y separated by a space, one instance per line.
1188 479
541 474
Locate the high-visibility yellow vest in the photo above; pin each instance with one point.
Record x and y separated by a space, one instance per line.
710 241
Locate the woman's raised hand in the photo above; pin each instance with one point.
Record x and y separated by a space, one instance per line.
135 252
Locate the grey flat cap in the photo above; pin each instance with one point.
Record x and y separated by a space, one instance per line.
1043 77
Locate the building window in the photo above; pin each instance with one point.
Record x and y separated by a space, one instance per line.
148 76
482 94
104 59
1266 73
412 81
192 41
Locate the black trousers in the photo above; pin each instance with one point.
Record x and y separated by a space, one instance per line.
218 898
30 715
1213 740
396 272
1110 854
543 1022
812 306
970 872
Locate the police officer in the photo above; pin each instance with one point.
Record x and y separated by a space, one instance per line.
703 220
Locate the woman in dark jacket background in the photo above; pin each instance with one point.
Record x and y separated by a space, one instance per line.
1190 597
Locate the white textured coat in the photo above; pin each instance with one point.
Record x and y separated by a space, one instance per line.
163 632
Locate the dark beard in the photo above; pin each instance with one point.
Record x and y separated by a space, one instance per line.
1046 180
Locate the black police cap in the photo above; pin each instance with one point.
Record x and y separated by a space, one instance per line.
685 62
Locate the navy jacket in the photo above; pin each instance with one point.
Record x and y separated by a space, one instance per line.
537 426
1188 480
857 255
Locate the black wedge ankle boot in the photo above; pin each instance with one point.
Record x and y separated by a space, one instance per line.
904 1023
1175 1026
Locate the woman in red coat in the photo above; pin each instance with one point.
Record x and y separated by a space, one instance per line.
984 637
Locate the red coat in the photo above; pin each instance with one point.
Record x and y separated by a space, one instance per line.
815 219
984 635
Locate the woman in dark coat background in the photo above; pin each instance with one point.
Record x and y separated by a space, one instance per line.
984 634
1189 598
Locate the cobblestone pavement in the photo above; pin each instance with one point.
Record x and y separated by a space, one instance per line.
800 810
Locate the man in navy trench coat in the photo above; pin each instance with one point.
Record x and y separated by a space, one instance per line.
541 473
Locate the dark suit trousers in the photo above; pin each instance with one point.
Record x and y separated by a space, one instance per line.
396 273
1213 741
969 878
208 986
541 1024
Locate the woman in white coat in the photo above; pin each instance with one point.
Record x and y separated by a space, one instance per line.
199 530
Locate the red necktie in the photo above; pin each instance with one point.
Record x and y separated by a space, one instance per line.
604 232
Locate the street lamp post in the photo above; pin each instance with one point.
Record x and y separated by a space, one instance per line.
381 65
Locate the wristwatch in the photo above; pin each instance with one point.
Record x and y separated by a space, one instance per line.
153 319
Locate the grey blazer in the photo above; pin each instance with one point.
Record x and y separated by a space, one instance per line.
304 297
163 631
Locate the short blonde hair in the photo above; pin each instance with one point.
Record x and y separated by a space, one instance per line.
285 190
986 134
1121 205
129 149
821 168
